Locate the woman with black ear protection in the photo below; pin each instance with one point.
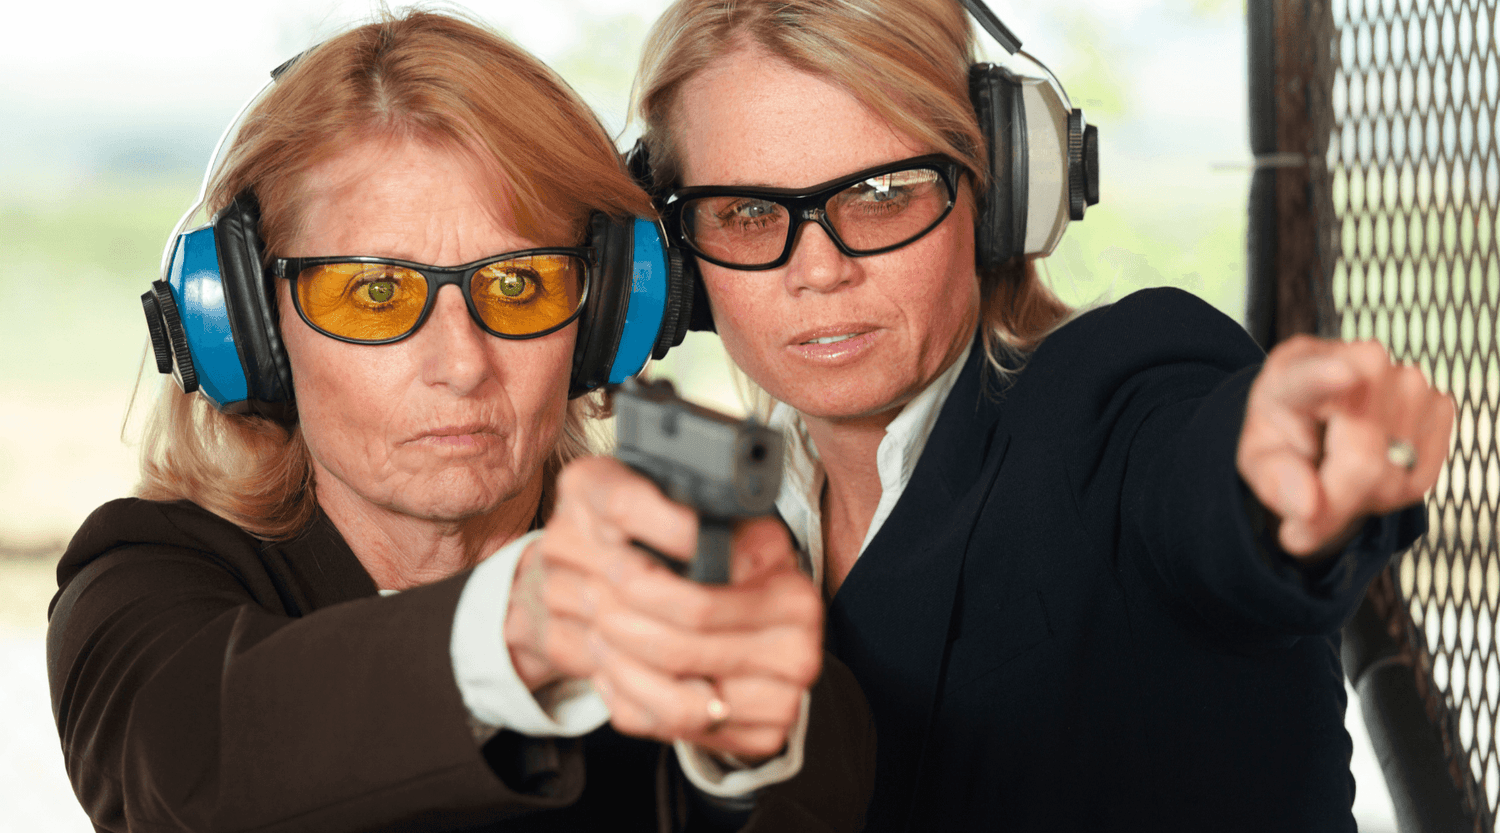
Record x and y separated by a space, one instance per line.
1089 568
371 580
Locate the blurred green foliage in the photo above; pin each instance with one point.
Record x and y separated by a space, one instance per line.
118 226
602 63
1216 8
1095 81
77 261
1118 250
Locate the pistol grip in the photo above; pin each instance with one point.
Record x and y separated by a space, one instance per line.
710 563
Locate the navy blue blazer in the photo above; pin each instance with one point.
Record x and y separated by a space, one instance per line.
1074 620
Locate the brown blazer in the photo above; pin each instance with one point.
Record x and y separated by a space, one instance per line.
203 680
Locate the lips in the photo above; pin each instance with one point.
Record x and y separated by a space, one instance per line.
830 334
457 430
838 345
467 436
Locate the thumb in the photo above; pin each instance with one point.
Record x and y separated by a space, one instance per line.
1284 482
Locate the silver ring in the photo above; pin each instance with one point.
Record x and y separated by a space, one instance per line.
718 712
1401 453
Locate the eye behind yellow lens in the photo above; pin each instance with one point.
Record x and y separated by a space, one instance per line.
366 302
528 295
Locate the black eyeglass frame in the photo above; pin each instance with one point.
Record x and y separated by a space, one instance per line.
289 268
809 205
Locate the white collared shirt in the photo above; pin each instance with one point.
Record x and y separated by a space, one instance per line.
801 498
494 692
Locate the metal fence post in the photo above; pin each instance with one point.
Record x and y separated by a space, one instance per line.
1329 199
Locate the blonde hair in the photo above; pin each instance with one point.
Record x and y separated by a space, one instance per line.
906 60
418 76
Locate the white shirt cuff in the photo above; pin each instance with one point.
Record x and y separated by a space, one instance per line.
491 689
712 776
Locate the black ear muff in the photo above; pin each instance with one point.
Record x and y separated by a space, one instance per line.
702 318
250 300
640 299
1001 227
213 319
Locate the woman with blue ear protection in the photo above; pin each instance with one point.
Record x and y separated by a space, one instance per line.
371 580
1089 568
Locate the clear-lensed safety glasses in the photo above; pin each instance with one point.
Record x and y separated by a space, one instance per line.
378 300
865 213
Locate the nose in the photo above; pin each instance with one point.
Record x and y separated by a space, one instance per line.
454 347
816 264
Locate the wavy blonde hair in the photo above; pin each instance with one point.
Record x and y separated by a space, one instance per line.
906 60
435 78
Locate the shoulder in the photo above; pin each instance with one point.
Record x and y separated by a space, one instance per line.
177 526
1146 329
1155 321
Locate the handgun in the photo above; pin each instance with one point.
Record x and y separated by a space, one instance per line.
723 468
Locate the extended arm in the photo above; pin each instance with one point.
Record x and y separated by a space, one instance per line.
1167 386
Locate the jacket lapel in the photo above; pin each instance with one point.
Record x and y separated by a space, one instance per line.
889 621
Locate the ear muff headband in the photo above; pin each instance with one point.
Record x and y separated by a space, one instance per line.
213 319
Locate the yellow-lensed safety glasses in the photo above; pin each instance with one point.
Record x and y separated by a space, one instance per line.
378 300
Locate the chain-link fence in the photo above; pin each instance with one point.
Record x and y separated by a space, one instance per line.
1374 216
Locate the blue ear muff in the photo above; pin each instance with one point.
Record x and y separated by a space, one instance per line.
647 304
212 321
639 302
211 364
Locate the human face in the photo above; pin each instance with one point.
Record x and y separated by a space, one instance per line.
834 336
451 422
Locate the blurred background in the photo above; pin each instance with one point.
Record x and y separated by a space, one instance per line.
111 111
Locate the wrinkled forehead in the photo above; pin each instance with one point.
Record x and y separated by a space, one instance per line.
397 186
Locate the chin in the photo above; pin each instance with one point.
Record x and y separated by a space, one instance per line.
852 399
457 496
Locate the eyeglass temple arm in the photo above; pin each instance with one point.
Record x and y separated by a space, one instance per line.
987 19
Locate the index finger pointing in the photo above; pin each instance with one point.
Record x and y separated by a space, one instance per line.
1307 382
